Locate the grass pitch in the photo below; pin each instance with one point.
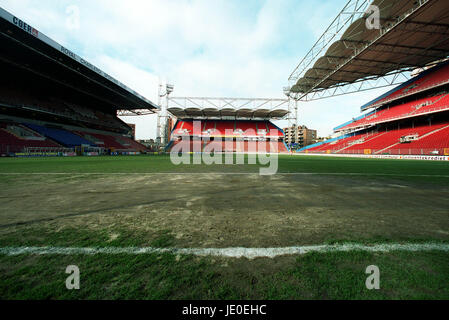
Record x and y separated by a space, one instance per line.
147 201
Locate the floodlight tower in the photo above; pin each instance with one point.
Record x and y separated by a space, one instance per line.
168 89
292 116
161 135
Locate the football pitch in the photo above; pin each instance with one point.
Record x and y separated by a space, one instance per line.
140 227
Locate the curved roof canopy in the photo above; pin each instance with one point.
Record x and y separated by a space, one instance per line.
244 113
412 34
227 108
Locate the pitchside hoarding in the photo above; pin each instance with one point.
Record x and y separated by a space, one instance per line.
380 156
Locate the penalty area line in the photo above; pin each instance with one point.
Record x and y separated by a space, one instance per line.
237 252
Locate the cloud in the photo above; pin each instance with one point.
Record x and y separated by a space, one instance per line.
141 81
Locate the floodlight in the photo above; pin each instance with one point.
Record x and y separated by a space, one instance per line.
170 88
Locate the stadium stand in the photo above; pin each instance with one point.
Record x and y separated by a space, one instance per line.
22 137
236 127
64 137
436 142
111 141
15 138
231 136
409 140
54 101
384 140
427 80
101 140
412 119
241 146
409 109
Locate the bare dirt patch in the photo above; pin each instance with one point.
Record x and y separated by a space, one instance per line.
216 210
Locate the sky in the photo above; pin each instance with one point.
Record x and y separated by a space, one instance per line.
212 48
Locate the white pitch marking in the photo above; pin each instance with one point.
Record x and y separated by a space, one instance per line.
229 173
250 253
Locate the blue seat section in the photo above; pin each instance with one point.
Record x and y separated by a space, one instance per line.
64 137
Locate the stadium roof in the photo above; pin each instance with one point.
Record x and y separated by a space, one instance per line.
412 34
27 48
227 108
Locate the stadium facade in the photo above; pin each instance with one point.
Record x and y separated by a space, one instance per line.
53 102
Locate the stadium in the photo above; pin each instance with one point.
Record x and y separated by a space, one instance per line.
65 106
77 189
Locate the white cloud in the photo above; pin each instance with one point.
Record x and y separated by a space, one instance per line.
141 81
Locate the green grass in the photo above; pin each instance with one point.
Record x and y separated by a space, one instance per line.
339 275
287 164
165 276
424 172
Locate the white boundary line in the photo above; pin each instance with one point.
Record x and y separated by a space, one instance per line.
226 173
250 253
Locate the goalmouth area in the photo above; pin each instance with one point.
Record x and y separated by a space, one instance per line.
142 228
